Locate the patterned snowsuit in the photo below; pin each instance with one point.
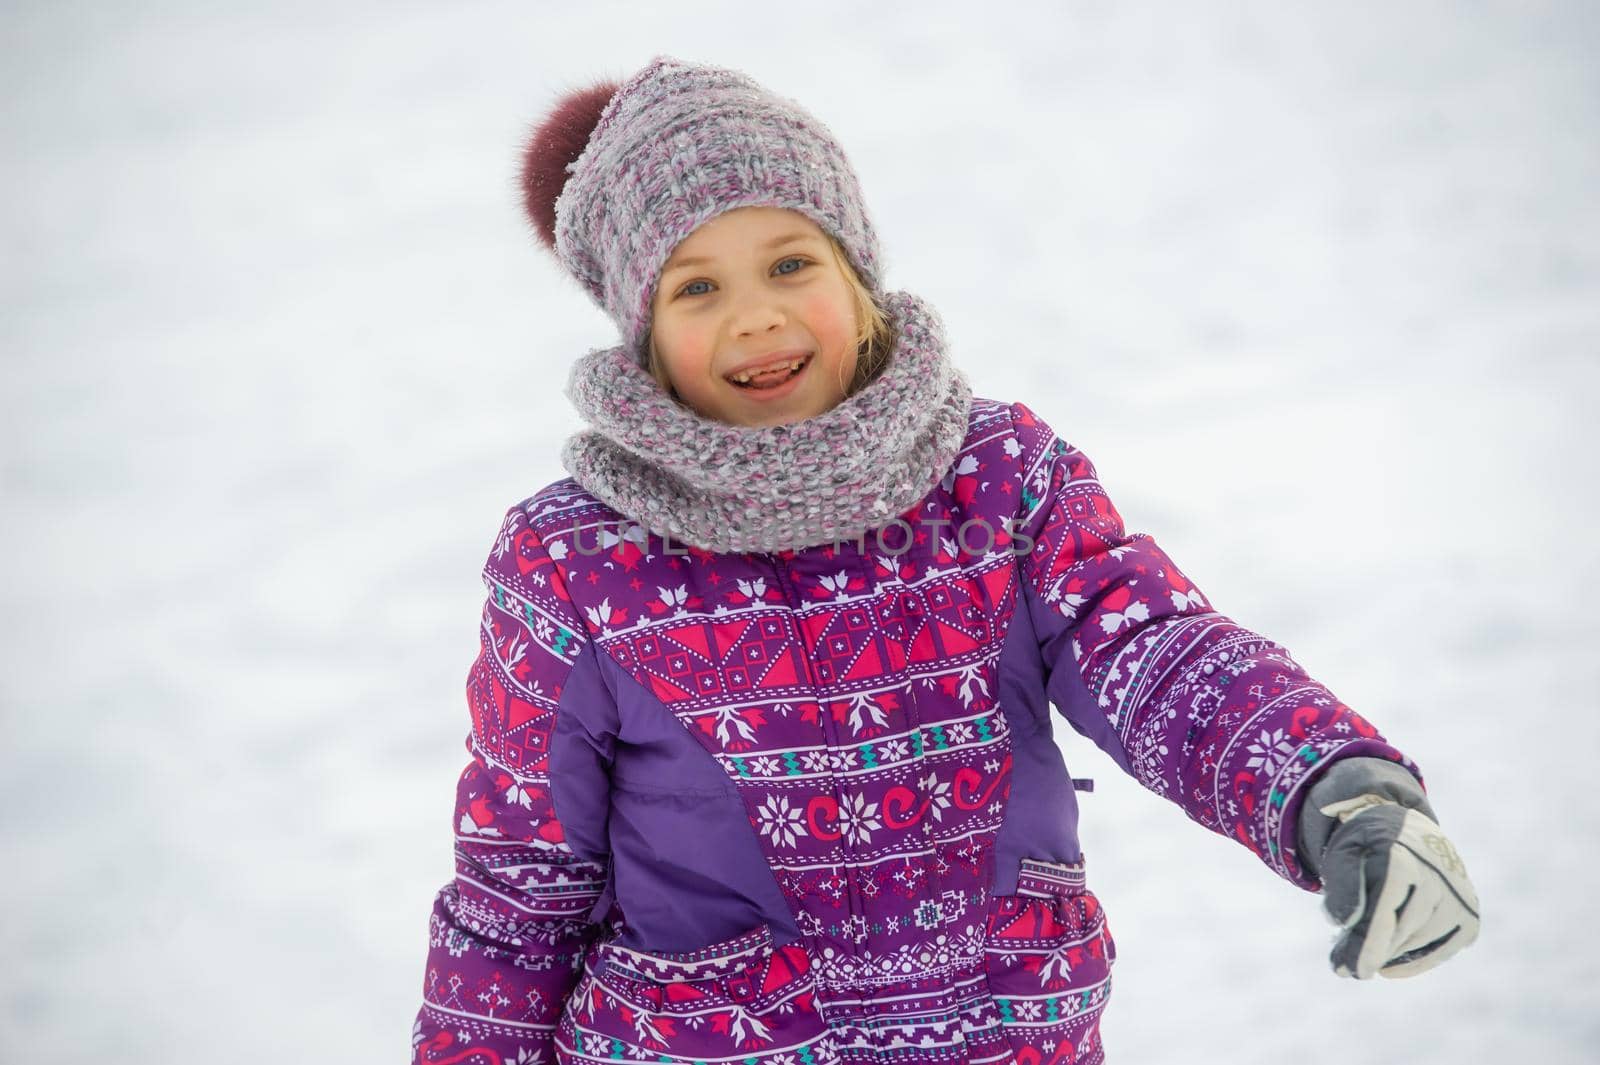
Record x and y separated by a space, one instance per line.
804 807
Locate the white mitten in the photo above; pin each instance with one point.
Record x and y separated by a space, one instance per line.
1391 880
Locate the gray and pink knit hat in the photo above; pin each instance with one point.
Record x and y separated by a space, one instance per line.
615 177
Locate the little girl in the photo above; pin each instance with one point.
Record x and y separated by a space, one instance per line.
761 760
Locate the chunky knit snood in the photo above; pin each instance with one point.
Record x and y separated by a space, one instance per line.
825 479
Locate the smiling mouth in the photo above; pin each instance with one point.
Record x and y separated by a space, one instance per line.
773 378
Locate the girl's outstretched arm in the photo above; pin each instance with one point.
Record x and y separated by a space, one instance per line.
508 934
1200 710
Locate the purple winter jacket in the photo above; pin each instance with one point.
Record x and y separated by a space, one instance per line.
804 807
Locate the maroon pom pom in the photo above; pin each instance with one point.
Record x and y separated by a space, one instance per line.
555 144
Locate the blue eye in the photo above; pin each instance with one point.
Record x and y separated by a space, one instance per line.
800 264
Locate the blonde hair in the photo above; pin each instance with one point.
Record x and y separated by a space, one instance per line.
874 334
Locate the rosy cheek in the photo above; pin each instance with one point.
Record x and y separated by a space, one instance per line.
701 347
830 318
688 348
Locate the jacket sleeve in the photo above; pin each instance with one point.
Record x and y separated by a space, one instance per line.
508 934
1200 710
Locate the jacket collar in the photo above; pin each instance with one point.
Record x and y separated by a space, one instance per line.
825 479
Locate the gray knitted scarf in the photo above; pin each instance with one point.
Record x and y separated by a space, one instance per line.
825 479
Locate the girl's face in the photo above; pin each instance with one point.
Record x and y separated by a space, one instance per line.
755 289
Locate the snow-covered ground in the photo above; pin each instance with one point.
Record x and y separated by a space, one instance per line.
1317 286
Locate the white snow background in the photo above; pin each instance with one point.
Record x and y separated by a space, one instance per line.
1317 286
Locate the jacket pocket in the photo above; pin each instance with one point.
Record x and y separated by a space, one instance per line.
742 997
1048 954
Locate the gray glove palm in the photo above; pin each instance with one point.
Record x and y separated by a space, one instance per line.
1391 880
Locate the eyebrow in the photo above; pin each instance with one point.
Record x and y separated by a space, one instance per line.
775 242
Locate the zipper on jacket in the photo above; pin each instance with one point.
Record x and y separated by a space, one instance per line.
857 916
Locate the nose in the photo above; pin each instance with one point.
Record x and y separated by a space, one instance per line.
758 314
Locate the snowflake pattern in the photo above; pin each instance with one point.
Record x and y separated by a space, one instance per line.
783 824
1270 749
858 819
855 701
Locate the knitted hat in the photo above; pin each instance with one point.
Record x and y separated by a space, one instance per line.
615 177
